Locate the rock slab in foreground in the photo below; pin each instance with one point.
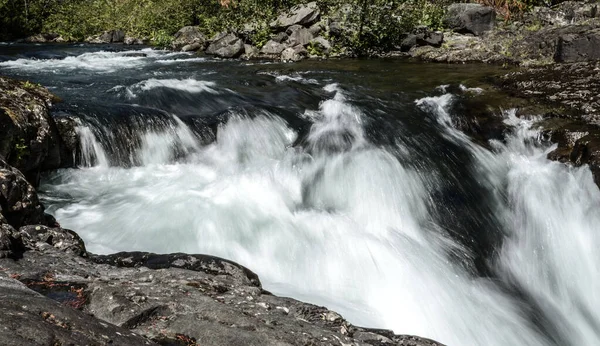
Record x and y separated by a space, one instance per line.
186 300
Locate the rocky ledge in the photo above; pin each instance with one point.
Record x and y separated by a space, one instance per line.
54 292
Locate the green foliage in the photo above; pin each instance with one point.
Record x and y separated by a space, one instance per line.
379 25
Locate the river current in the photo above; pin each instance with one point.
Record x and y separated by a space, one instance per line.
342 183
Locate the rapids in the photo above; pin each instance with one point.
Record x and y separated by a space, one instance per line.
345 184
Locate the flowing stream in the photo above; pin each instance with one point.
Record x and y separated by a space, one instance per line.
343 183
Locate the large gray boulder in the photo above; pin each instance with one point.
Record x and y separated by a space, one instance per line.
584 46
294 54
110 36
470 18
226 45
272 48
300 36
300 14
189 38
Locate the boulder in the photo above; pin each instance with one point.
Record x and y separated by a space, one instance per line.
584 46
279 37
226 45
19 203
272 48
321 45
470 18
301 37
42 38
172 299
133 41
30 319
317 28
250 51
62 239
111 36
304 14
189 37
294 54
29 139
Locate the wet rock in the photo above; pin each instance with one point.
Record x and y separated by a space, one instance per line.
204 299
470 18
28 318
578 47
61 239
19 202
29 139
226 45
272 48
70 145
300 14
189 38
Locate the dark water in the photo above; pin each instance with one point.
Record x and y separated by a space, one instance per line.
344 183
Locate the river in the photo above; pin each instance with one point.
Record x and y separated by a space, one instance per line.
341 183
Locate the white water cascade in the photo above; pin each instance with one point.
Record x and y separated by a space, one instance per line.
346 224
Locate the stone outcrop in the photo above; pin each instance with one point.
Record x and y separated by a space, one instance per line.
299 15
165 299
111 36
226 45
578 47
470 18
189 38
30 140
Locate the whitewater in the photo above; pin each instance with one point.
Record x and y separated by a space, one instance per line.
336 204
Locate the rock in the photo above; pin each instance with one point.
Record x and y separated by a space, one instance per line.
42 38
470 18
316 28
133 41
189 37
61 239
192 47
584 46
29 139
294 54
272 48
111 36
300 36
70 145
321 44
300 14
430 38
226 45
170 299
279 37
29 319
250 51
409 42
19 202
